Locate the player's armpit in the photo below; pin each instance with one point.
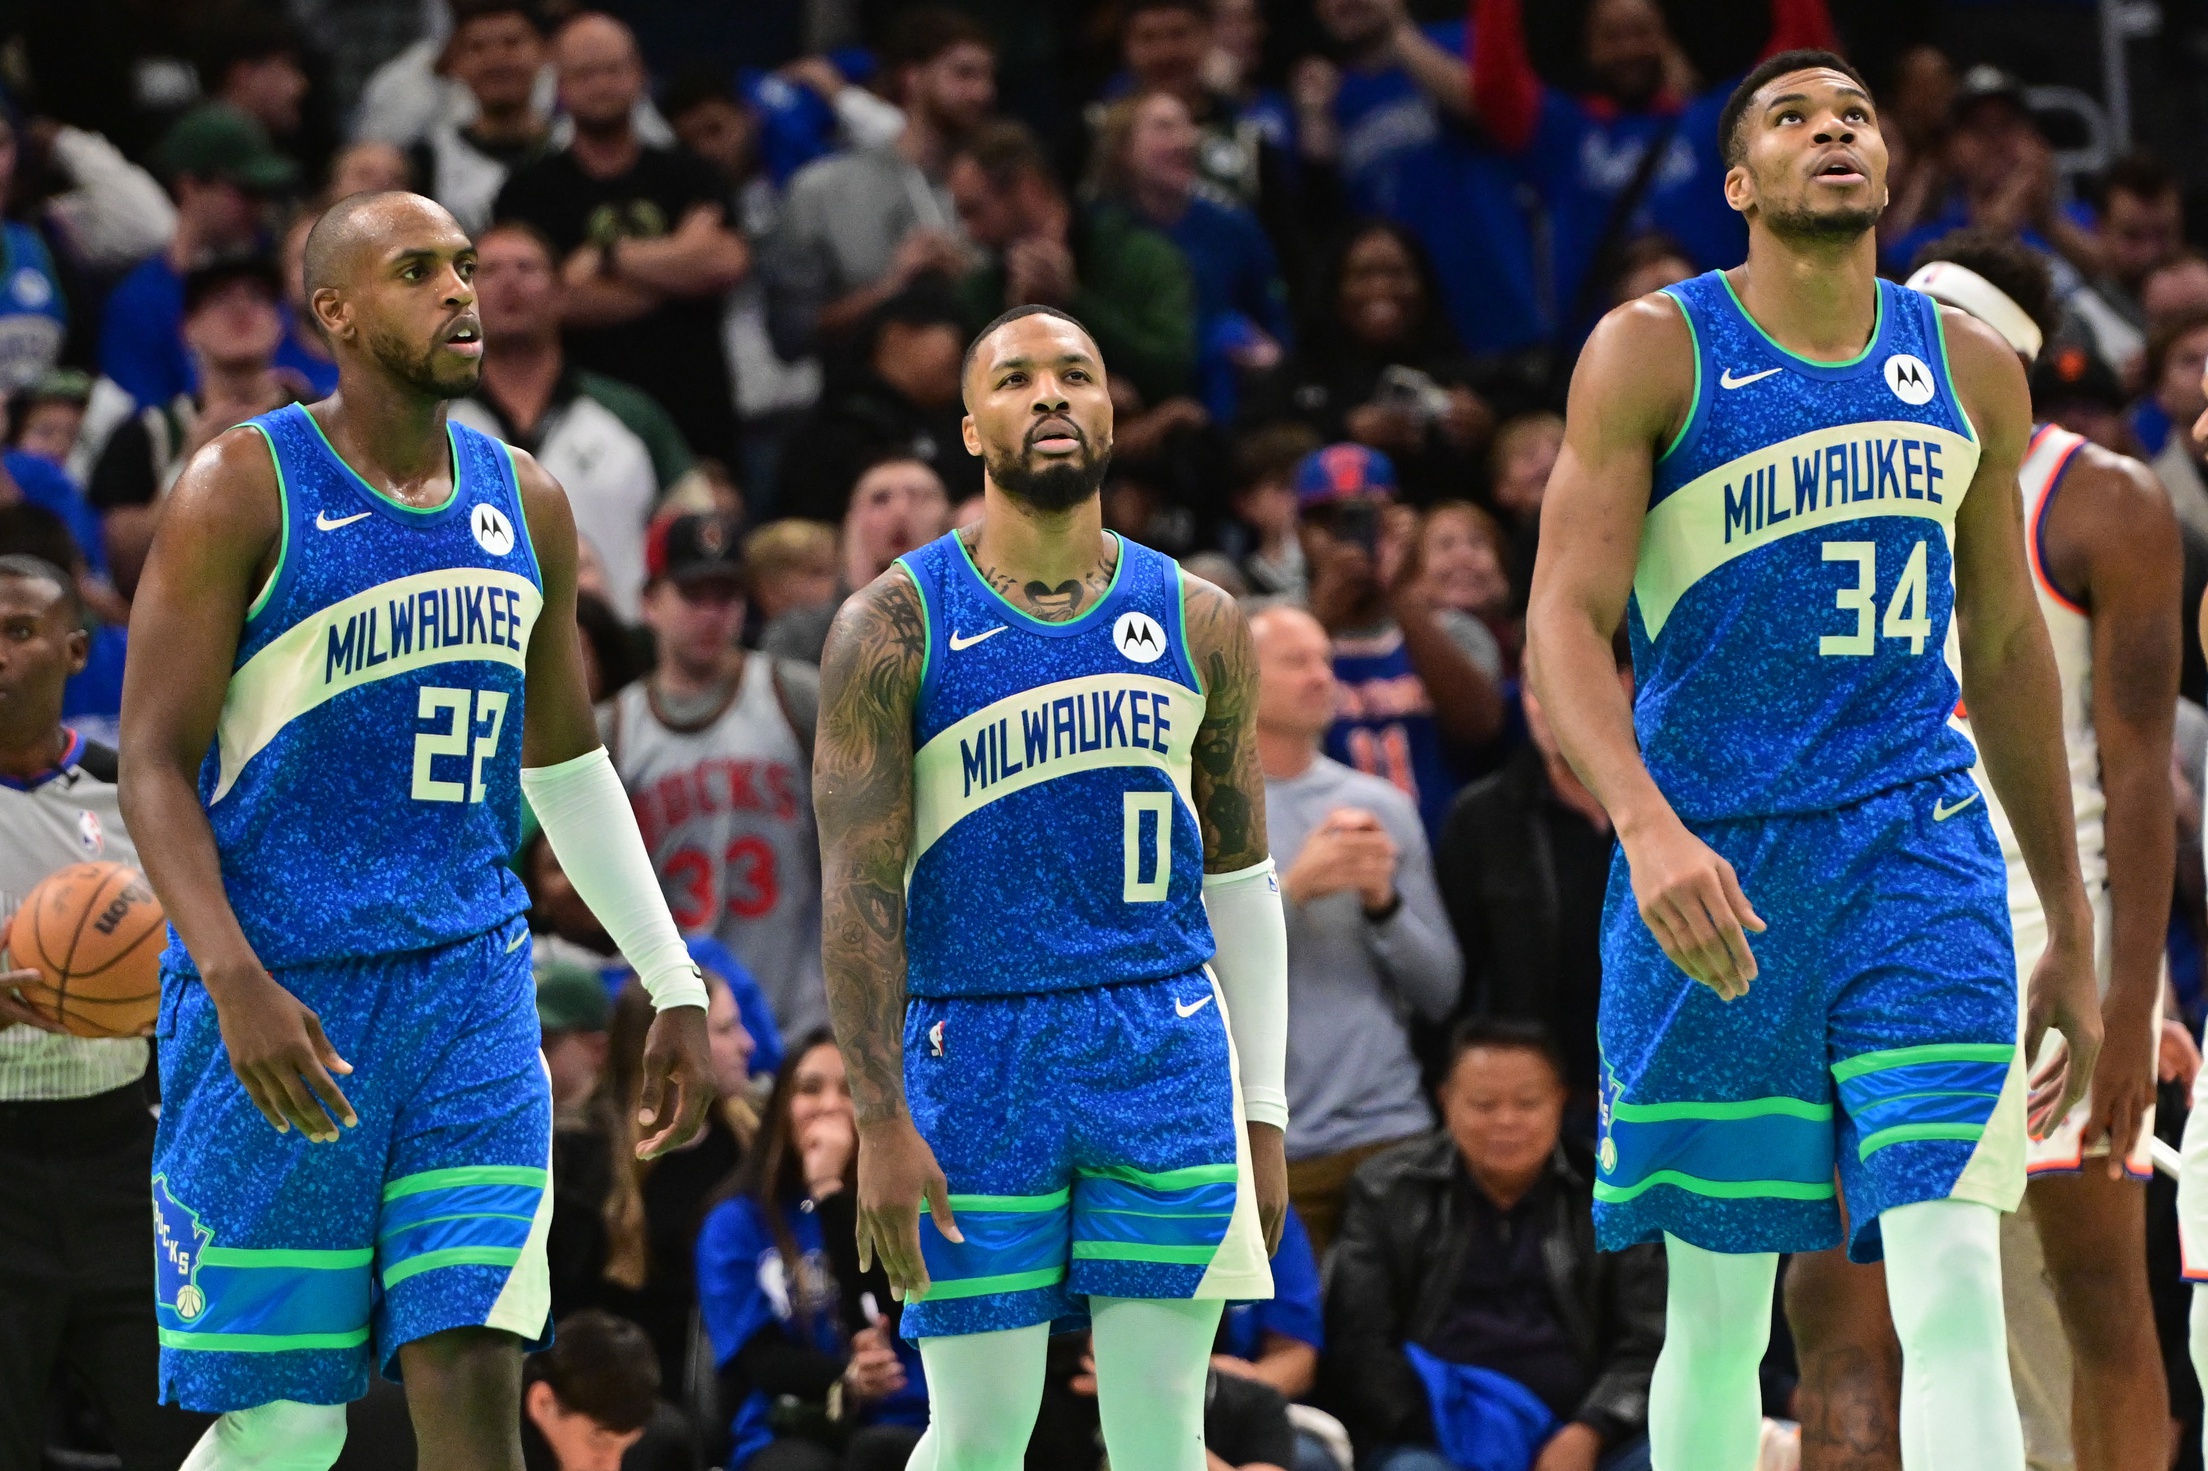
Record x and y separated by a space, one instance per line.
862 797
1229 784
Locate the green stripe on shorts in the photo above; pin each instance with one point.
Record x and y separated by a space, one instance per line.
1715 1189
1893 1057
1015 1204
454 1179
1182 1179
976 1286
1142 1251
1910 1133
302 1261
262 1343
1746 1108
451 1256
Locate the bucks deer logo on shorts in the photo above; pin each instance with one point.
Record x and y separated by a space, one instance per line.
178 1240
1606 1098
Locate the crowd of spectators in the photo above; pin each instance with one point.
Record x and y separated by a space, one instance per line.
1338 257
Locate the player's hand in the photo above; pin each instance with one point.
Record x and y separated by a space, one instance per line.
678 1081
2177 1055
276 1047
896 1170
1691 901
14 1010
1269 1173
2123 1087
2063 996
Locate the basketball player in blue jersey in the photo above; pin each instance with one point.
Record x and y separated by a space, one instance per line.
353 651
1041 815
1788 480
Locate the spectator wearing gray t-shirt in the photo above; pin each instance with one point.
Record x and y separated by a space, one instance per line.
1368 940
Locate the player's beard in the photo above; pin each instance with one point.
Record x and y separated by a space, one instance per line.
1813 227
426 369
1056 486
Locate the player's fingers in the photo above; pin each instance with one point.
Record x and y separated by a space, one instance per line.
2123 1134
1736 898
14 1009
1724 920
866 1242
939 1206
687 1111
323 1051
333 1097
300 1105
257 1091
653 1091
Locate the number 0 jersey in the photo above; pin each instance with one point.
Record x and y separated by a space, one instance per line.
1055 842
1795 584
365 778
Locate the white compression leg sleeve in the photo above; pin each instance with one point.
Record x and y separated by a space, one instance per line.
983 1391
1943 1282
2199 1336
282 1435
1152 1357
1705 1403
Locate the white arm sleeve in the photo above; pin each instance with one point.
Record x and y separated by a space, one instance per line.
592 829
1252 967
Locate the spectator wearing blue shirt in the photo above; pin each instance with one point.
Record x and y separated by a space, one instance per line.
34 316
1590 154
221 170
804 1344
1393 123
1147 159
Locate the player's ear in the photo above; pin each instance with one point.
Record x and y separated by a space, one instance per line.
971 435
1740 189
331 311
80 650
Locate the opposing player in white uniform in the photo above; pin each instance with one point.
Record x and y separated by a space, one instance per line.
2102 545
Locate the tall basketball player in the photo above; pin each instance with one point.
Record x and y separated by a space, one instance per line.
1787 479
2103 549
353 650
1037 772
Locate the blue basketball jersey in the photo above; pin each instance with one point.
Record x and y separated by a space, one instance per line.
1055 842
365 779
1790 608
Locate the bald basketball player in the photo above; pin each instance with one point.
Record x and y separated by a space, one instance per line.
353 651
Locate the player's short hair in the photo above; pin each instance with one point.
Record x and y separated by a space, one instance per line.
27 568
1505 1034
34 531
1030 309
601 1366
2008 264
925 32
1736 106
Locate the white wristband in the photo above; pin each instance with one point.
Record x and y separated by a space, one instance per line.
587 818
1251 935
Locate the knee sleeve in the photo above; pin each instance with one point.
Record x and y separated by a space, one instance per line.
1943 1282
282 1435
1152 1359
1705 1410
983 1391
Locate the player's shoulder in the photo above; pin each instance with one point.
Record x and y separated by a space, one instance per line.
1218 633
230 484
1987 374
1639 363
879 634
2114 502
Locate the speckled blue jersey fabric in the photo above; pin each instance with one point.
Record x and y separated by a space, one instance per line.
364 785
1789 622
363 789
285 1269
1055 931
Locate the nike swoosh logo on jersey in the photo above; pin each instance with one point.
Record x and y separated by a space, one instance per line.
962 641
1727 380
322 521
1941 812
1192 1008
510 949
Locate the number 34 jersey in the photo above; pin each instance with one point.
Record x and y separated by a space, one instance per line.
1055 842
364 781
1791 603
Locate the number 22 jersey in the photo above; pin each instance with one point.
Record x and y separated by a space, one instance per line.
364 782
1795 583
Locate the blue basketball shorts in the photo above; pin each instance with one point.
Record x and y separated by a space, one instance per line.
1094 1146
284 1269
1879 1037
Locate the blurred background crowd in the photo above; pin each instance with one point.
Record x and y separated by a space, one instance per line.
1339 256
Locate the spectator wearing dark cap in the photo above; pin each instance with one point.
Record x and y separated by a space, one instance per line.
1416 680
614 449
232 327
715 748
904 398
2073 387
221 170
2004 179
45 415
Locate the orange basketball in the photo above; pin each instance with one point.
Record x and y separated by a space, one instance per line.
93 933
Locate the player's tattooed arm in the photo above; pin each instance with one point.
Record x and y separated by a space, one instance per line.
862 795
1230 787
862 792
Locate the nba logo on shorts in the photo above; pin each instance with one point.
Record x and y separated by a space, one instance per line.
935 1040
